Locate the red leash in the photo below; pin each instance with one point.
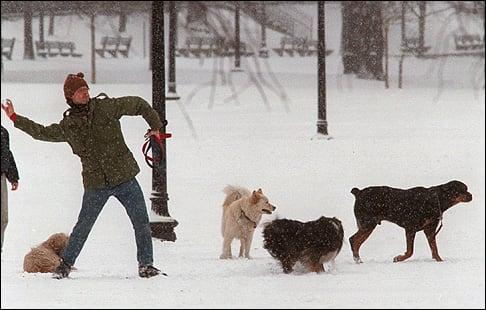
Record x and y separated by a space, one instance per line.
155 142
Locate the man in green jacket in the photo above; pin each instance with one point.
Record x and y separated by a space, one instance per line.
92 128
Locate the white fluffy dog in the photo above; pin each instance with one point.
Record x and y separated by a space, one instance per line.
242 211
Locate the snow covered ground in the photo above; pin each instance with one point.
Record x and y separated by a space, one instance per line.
422 135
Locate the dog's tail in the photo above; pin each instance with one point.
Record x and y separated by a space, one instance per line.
234 193
355 191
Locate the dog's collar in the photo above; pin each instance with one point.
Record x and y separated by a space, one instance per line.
246 216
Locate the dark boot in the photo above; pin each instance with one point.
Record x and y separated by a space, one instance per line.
149 271
62 271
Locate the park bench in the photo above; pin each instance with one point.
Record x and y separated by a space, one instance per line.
7 47
54 48
198 45
124 46
291 45
468 42
114 46
208 45
211 46
466 45
311 48
47 48
228 49
412 46
68 49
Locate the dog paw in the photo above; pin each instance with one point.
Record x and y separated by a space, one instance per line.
225 256
357 260
287 270
438 258
400 258
244 255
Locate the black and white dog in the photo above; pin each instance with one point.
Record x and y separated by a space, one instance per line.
312 243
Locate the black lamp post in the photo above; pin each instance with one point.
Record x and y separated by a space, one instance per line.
163 224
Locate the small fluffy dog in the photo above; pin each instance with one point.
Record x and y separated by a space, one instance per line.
46 256
242 211
312 243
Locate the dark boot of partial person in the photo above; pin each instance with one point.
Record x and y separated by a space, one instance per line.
149 271
62 271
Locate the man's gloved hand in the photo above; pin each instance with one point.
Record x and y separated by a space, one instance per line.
157 134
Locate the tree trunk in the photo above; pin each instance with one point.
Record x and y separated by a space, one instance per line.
386 29
51 24
172 89
150 39
422 9
349 37
402 22
375 44
41 27
123 22
362 39
237 35
197 17
144 39
28 38
93 52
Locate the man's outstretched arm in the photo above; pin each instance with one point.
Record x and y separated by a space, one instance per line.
51 133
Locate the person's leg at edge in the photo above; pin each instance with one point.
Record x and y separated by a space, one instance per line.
4 203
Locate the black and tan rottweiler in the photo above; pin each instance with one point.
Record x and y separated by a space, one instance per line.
414 209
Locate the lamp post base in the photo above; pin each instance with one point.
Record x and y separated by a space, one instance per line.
320 136
164 230
172 96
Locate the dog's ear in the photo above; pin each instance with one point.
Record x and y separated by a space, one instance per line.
254 198
260 191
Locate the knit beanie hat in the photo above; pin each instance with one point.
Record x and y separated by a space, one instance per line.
72 83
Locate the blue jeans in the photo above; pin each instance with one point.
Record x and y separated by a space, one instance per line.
131 197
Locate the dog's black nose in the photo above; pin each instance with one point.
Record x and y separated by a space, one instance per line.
273 208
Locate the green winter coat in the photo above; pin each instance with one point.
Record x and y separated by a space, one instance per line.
95 136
